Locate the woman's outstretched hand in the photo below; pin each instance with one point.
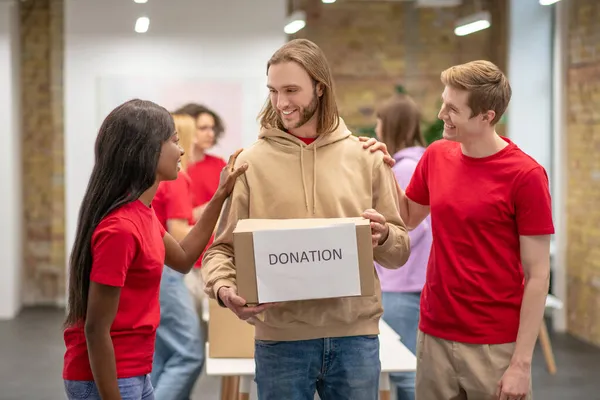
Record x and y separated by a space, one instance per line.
229 174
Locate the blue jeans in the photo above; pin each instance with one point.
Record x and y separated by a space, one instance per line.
345 368
136 388
179 352
401 313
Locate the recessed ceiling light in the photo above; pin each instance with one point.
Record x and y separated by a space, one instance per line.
142 24
473 23
296 22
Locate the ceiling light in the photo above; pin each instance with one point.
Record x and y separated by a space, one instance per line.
328 1
473 23
296 21
141 25
548 2
140 1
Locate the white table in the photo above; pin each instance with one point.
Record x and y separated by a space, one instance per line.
386 332
553 302
394 357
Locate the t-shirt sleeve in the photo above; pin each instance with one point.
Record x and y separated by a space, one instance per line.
418 187
178 200
114 247
162 229
533 204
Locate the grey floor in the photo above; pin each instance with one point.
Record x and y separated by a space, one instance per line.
31 351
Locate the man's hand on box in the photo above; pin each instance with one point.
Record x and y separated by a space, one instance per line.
379 228
238 305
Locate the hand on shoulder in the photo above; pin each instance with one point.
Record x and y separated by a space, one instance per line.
374 145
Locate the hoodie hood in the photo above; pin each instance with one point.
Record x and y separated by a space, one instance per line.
289 140
414 153
291 144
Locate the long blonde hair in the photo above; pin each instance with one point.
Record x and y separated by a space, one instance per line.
186 129
310 57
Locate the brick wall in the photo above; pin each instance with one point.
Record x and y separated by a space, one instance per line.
43 188
372 46
583 157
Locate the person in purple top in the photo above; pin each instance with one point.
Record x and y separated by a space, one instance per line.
398 127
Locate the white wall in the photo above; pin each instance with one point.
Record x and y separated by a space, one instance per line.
536 113
189 41
11 263
530 74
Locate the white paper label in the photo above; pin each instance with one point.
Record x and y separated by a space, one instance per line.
310 263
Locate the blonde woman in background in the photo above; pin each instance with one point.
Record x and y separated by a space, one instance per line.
179 354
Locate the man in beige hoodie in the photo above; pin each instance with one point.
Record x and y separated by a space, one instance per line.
307 164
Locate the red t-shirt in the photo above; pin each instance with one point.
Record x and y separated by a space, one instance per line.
306 141
128 252
173 200
479 207
205 176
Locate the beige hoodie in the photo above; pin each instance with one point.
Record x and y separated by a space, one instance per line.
330 178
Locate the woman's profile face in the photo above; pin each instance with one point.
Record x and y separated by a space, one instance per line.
169 161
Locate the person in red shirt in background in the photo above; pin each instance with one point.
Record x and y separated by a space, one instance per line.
119 252
488 273
203 168
179 352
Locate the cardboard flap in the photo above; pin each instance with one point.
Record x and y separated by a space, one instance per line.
252 225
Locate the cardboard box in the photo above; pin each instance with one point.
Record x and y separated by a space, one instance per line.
228 336
302 259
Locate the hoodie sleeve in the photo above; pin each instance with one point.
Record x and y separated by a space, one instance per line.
394 252
218 268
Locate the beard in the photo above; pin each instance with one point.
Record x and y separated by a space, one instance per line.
306 113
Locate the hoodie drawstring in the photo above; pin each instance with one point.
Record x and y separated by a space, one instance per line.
303 179
283 137
314 188
314 180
